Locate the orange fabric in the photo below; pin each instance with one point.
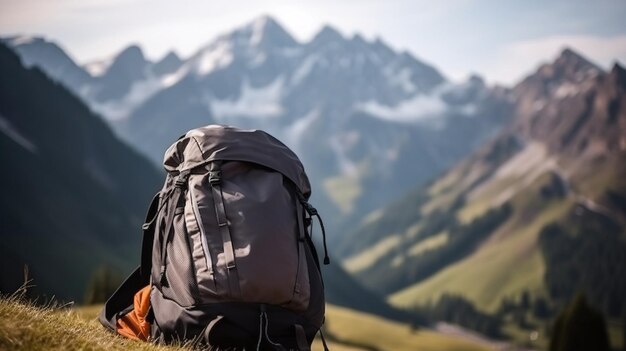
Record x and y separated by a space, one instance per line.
133 325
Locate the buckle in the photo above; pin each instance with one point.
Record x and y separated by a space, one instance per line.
310 209
181 180
215 177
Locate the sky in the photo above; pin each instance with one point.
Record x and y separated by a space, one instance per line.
500 40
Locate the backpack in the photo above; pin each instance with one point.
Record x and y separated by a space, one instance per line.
227 257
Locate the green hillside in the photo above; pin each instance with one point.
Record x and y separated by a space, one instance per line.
508 263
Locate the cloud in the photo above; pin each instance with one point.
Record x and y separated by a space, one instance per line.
419 107
518 59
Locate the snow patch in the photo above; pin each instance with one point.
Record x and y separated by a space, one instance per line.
565 90
304 69
346 166
98 68
138 94
295 131
170 79
218 55
263 102
9 130
258 26
414 109
22 40
401 79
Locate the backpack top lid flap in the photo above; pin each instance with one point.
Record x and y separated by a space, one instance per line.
218 142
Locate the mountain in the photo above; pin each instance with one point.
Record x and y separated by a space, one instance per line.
170 63
355 111
51 58
74 195
539 211
360 114
112 87
127 67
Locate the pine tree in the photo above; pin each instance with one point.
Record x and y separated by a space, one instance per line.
579 328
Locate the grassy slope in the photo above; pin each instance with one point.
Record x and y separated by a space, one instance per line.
24 327
508 263
368 257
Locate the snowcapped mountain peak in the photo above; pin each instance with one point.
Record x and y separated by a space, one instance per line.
171 56
569 66
358 39
571 60
52 59
219 54
568 75
326 35
263 32
24 39
168 64
132 55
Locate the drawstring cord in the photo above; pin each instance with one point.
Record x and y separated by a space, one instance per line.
258 344
263 323
163 202
326 258
179 182
312 211
263 314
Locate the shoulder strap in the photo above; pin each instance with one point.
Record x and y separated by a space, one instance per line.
215 180
148 236
122 298
180 185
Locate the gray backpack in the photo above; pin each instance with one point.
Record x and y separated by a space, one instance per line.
227 247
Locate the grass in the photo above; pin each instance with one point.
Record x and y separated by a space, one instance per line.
369 256
385 335
486 198
343 191
616 334
524 337
429 243
446 190
24 326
